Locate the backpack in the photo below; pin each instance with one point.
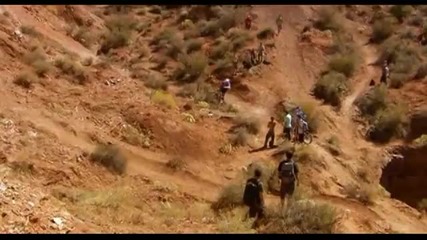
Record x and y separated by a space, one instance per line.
287 170
250 195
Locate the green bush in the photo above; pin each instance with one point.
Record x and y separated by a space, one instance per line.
192 67
345 64
303 216
381 30
194 45
400 12
388 123
331 87
328 20
374 101
110 157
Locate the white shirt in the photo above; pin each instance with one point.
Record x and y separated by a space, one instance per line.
288 120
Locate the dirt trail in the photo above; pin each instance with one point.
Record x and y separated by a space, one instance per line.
20 15
139 161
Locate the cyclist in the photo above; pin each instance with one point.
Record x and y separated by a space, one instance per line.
248 22
279 23
225 86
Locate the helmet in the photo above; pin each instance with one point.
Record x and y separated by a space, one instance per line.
227 80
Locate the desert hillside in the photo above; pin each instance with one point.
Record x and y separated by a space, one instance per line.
110 119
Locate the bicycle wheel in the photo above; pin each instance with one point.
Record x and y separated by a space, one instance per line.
308 138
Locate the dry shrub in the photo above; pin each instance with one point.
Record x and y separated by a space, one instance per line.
421 141
84 36
397 80
223 66
240 137
221 50
194 45
400 12
156 81
381 30
29 30
388 123
331 87
110 157
119 32
303 216
72 68
374 101
170 41
250 123
422 205
192 67
163 98
231 196
328 20
238 38
38 60
416 21
334 145
305 153
421 72
235 222
132 135
227 19
345 64
176 164
266 33
25 80
366 193
87 61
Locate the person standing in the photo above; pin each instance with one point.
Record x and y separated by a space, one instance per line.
269 137
287 125
288 174
253 196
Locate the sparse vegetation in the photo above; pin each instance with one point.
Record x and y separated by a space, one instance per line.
388 123
331 88
163 98
194 45
366 193
29 30
374 101
230 197
303 216
25 80
421 141
176 164
381 30
119 32
240 137
345 64
333 145
155 81
72 68
328 20
250 123
422 205
192 67
400 12
266 33
110 157
421 72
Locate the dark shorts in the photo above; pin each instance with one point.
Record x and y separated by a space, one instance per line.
224 90
256 212
287 188
287 132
